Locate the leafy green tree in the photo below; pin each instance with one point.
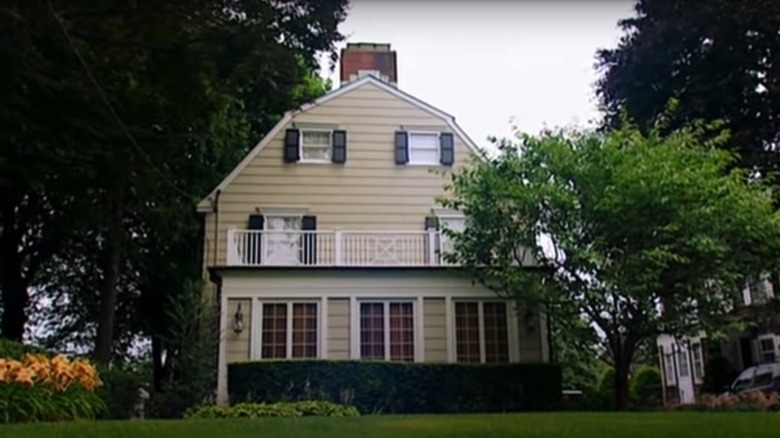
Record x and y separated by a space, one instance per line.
620 223
718 58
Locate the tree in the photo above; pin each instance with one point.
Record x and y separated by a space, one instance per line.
134 112
717 58
619 223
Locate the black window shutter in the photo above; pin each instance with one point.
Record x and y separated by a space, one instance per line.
401 147
292 142
446 149
339 154
252 245
309 240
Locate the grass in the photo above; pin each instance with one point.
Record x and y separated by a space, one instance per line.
580 425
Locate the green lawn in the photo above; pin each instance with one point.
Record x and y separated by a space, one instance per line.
580 425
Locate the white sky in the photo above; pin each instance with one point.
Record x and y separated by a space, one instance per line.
490 62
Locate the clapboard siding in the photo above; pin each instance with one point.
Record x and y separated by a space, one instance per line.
368 192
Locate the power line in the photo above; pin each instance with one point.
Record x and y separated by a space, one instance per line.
108 104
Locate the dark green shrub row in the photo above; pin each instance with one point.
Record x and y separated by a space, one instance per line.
394 387
282 409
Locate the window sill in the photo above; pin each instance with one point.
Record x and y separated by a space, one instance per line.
310 161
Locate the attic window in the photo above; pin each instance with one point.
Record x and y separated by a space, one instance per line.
315 145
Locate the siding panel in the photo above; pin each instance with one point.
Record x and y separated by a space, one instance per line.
338 328
435 330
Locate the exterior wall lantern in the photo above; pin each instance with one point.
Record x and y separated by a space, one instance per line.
238 320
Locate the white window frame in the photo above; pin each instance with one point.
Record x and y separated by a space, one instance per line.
481 315
760 352
386 321
256 352
302 146
409 136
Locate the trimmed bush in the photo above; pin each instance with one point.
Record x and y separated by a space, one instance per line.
718 374
282 409
120 391
396 387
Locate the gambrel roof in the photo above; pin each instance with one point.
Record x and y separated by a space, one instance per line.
205 204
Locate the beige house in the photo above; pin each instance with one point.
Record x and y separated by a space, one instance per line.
324 241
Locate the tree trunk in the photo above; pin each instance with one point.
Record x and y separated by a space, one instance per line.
623 356
12 282
108 287
622 369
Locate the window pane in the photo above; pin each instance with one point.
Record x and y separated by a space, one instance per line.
424 148
372 331
467 332
316 153
304 342
682 359
401 332
315 145
496 340
274 339
698 365
423 156
767 350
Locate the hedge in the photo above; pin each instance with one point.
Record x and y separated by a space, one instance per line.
394 387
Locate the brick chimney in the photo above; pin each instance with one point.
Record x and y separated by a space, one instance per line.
360 59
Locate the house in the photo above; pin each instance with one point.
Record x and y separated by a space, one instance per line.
682 361
324 241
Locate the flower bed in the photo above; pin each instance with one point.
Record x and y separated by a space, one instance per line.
38 388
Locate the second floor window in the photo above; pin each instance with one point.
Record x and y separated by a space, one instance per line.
423 148
315 145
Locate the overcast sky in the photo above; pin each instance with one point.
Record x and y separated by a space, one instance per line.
488 62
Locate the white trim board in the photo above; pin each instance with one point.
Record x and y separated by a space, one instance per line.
204 206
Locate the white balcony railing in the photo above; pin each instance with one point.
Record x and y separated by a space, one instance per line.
335 248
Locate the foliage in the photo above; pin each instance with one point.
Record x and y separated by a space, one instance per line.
633 221
718 374
281 409
646 387
39 388
118 120
749 401
17 350
526 425
393 387
120 390
192 340
716 58
574 344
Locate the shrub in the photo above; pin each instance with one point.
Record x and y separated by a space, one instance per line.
282 409
645 387
17 350
39 388
119 391
749 401
395 387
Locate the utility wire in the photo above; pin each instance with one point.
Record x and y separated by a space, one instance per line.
110 107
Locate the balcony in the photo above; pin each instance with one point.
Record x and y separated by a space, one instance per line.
335 248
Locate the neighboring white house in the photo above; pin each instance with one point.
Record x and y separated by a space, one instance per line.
682 360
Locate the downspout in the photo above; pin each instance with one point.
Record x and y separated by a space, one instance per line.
216 225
